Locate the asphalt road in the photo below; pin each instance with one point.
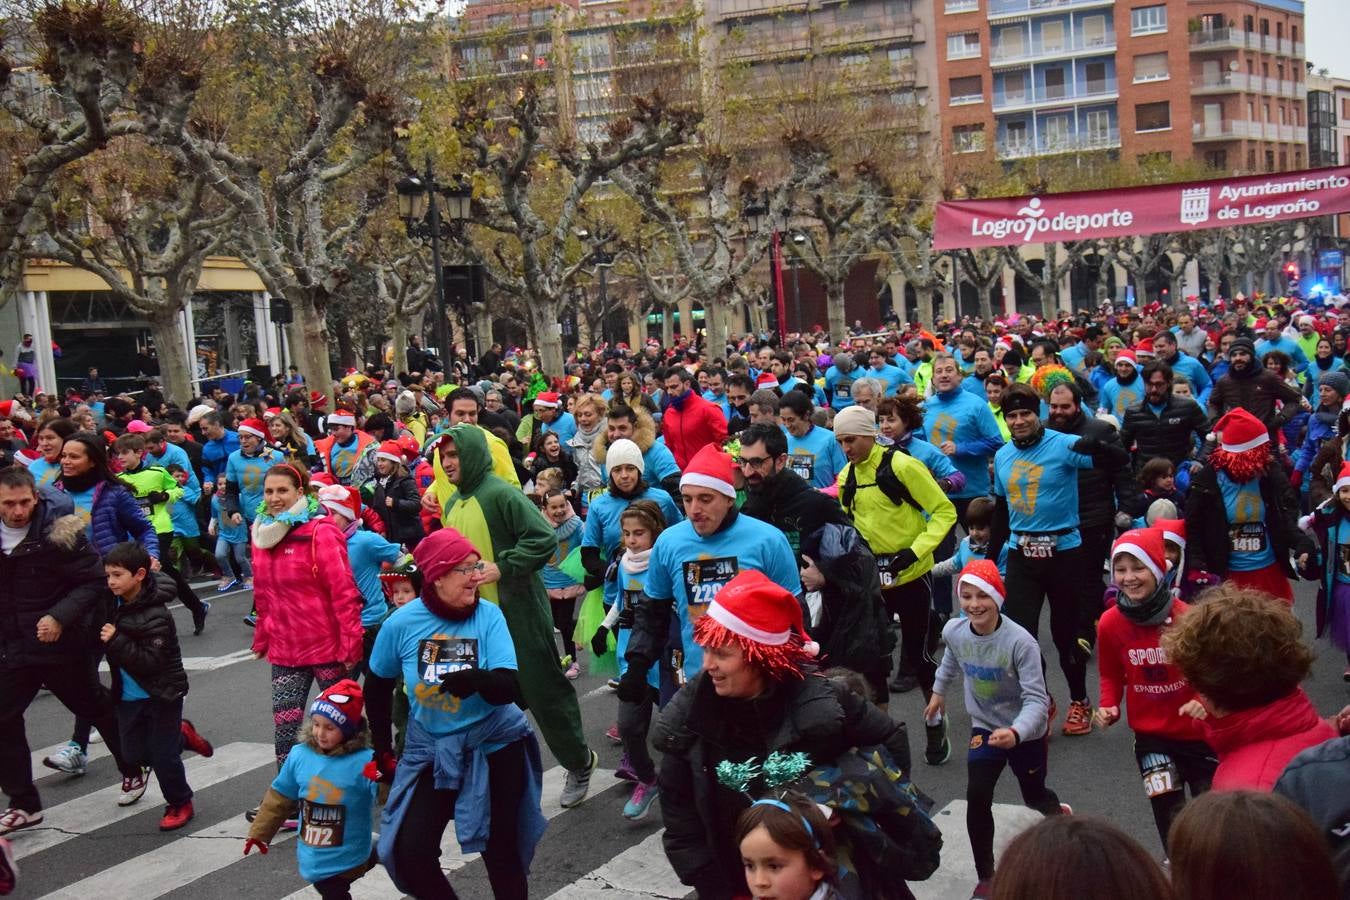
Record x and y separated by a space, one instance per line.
231 705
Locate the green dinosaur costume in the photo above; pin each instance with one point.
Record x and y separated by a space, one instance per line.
510 531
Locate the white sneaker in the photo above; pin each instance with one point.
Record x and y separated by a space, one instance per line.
69 759
94 736
577 784
134 788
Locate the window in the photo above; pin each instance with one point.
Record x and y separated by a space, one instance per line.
968 138
1248 24
1293 33
963 46
1098 124
1096 78
1056 132
1270 160
1015 136
1054 84
1009 44
1267 111
1345 107
966 90
1094 31
1279 29
1265 31
1148 19
1216 159
1251 160
1281 112
1015 87
1150 67
1052 37
1153 116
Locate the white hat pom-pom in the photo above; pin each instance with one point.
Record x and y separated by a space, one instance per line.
811 648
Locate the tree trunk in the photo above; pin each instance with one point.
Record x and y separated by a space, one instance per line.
543 319
175 369
668 326
308 339
398 336
923 298
347 353
1140 290
837 314
987 304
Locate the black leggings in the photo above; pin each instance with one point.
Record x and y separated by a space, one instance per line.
565 620
911 602
185 592
1188 764
1029 583
1027 760
417 846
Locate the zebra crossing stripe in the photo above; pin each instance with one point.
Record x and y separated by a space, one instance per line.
375 884
202 663
99 809
955 876
174 865
639 873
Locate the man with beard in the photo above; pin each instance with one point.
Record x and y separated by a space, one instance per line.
1073 356
1036 515
1123 391
739 389
1100 494
974 382
1251 387
1163 424
688 422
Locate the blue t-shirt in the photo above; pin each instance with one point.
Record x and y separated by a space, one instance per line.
631 586
131 688
937 462
1072 357
839 385
1115 397
215 453
1041 486
565 427
174 455
421 647
569 536
691 570
1189 367
183 511
658 464
816 457
1286 346
84 508
814 391
344 459
233 534
43 472
367 550
604 529
891 376
965 420
247 473
335 809
720 401
1248 537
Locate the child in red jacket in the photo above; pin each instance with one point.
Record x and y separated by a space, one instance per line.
1168 745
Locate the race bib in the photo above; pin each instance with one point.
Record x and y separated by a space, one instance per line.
1036 546
1161 777
843 390
884 570
1249 537
322 824
631 598
703 578
439 656
804 464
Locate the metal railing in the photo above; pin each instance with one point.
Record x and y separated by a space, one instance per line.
1003 54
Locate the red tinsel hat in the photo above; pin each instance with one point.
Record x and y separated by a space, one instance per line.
764 620
1244 446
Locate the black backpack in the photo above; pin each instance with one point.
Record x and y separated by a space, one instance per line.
889 483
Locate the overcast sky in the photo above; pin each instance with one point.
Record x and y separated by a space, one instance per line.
1327 24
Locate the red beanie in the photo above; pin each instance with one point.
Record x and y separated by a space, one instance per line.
982 574
255 427
711 468
1145 545
341 704
439 552
764 619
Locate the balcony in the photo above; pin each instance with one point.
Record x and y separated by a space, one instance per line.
1070 45
1108 139
1031 98
1235 82
960 6
999 9
1235 39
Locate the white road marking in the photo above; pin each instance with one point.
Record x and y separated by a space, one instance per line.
639 873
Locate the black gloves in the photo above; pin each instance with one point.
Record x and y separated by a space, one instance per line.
157 496
591 582
902 560
600 641
1088 446
627 616
462 683
633 684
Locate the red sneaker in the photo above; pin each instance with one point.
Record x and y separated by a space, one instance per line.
176 817
193 740
1078 721
9 872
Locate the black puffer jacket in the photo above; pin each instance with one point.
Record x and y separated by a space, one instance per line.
403 520
1170 435
1101 491
1208 545
790 504
146 643
53 572
698 729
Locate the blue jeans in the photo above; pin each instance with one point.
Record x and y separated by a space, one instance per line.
152 735
225 549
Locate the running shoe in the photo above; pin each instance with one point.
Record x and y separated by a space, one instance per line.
640 802
69 759
1078 721
612 684
903 684
251 814
199 619
227 586
625 771
251 620
578 783
573 671
94 736
14 819
9 871
193 740
983 890
939 749
134 788
176 816
613 733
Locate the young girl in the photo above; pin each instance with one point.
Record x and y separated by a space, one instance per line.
1168 745
641 523
402 584
563 592
186 533
979 520
231 543
396 499
1158 479
787 849
1008 705
1330 523
324 778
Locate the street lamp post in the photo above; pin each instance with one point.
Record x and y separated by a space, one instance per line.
798 239
419 205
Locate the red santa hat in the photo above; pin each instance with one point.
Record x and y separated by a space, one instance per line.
321 479
1173 530
255 427
341 499
1144 348
408 446
12 409
317 400
546 398
982 574
711 468
391 451
766 381
1145 545
342 417
1239 431
271 413
1342 477
1126 354
764 619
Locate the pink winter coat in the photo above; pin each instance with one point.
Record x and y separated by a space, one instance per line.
1255 745
309 609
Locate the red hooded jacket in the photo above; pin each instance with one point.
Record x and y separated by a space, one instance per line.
1255 745
692 425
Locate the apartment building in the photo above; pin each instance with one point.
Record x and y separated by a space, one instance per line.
1216 81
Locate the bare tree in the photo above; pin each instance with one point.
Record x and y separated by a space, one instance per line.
1053 270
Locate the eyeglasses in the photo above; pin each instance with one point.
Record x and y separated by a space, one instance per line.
477 568
752 462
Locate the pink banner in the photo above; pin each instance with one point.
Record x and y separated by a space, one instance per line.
1151 209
